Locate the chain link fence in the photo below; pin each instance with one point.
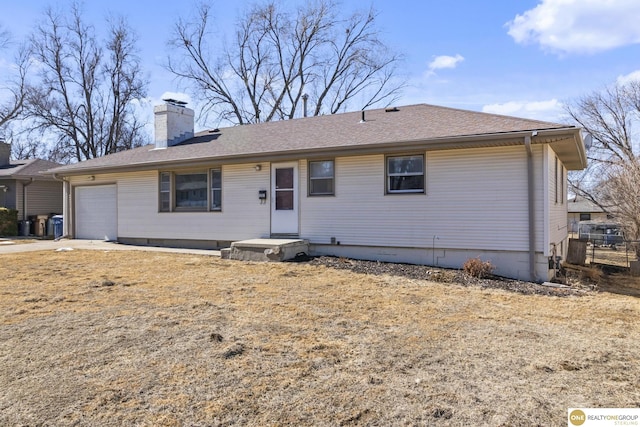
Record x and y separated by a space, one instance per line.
607 247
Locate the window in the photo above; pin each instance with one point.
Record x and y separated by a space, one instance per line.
321 177
556 175
405 174
165 192
585 217
562 180
191 191
216 189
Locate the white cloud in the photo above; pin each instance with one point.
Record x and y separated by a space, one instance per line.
445 61
578 26
551 110
628 78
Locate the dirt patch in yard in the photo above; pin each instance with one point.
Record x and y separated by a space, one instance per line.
142 338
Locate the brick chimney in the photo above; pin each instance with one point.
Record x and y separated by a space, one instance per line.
5 153
173 123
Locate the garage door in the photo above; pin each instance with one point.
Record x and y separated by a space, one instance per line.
96 212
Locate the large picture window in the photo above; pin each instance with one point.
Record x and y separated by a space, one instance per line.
190 191
405 174
321 178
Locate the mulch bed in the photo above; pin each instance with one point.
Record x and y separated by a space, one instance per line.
441 275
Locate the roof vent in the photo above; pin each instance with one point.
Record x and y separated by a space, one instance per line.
391 110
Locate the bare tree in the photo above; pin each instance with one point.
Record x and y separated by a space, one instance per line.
612 179
13 89
85 90
619 190
277 58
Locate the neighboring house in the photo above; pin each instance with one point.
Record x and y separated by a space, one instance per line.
23 186
416 184
581 209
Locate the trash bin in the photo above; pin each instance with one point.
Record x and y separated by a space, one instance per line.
58 221
32 225
40 225
50 226
24 227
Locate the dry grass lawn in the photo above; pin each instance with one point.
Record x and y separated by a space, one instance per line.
154 339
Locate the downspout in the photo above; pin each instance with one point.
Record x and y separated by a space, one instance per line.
531 206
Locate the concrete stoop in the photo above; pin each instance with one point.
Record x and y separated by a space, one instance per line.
265 249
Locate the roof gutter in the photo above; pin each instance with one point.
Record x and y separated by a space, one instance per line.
531 205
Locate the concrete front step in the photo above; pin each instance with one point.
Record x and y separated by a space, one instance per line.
266 249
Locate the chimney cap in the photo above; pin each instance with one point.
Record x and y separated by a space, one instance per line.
175 102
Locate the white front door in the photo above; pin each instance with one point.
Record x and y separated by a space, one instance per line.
284 199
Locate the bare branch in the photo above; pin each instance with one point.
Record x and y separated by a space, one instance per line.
277 56
85 93
612 180
15 87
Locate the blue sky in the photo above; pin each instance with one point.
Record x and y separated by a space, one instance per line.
523 58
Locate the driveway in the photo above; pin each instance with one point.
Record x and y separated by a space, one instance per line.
8 246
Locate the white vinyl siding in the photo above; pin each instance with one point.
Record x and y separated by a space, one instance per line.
475 199
243 217
556 211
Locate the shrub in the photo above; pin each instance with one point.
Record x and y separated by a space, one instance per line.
475 267
8 222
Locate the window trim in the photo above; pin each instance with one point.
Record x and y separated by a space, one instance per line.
172 190
310 178
387 176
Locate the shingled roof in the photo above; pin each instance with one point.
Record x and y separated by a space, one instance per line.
27 169
422 125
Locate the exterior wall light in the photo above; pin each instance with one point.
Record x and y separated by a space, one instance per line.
258 168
